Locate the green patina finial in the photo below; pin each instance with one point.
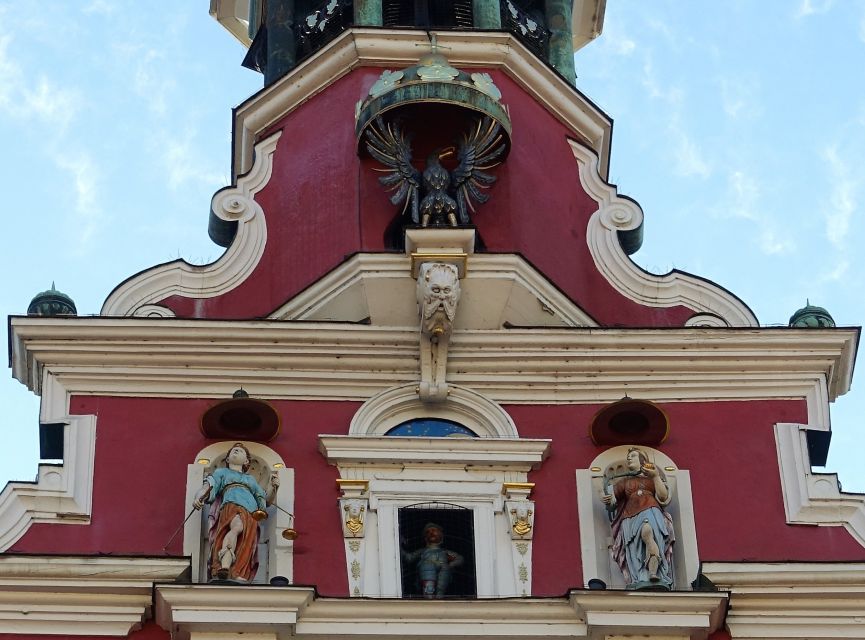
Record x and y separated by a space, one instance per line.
811 317
52 303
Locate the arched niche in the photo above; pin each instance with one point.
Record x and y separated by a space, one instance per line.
274 552
595 534
399 404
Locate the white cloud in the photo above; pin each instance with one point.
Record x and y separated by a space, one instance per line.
618 42
184 166
51 103
689 160
85 178
842 199
672 95
100 6
743 201
43 100
149 79
812 7
838 272
738 97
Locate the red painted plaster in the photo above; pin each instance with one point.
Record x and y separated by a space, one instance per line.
144 445
323 204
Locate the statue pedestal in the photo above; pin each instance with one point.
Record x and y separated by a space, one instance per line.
439 244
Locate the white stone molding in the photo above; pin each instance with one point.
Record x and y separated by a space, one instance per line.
194 610
814 498
438 295
617 214
303 360
498 289
232 204
467 472
795 601
260 612
359 47
706 320
62 493
520 514
353 507
394 406
68 595
522 454
668 616
153 311
595 535
275 552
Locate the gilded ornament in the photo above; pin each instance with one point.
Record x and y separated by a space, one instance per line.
355 569
353 519
356 591
524 572
523 548
522 527
436 67
354 545
484 82
386 81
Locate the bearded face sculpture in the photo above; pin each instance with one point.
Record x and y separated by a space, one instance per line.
438 293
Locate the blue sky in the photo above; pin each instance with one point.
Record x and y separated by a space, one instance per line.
739 127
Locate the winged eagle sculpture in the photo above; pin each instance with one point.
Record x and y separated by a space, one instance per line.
437 197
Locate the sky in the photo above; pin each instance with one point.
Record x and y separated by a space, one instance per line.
739 128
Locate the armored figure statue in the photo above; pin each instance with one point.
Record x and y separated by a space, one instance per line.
643 534
434 564
237 504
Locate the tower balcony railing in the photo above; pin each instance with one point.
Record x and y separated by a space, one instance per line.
519 21
322 24
317 24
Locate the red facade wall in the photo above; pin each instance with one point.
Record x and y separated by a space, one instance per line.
323 204
144 445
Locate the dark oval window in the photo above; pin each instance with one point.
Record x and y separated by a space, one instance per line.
431 428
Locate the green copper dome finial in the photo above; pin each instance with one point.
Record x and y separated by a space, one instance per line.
811 317
52 303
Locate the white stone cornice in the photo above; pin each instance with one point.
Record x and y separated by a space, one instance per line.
616 214
66 595
796 601
250 609
296 612
497 289
519 453
359 47
814 498
622 613
171 357
137 295
62 492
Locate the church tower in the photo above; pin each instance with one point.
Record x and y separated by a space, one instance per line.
425 391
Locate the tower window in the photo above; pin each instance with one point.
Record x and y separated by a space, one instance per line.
427 13
437 551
